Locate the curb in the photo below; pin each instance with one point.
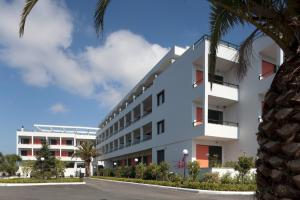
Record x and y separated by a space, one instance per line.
240 193
39 184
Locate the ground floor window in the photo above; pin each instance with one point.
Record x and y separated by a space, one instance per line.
160 156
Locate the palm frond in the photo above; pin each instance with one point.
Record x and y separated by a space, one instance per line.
99 15
221 21
245 54
29 4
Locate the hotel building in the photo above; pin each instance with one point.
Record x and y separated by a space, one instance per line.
62 140
178 106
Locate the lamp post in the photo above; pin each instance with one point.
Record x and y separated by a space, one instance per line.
43 159
185 153
136 160
115 164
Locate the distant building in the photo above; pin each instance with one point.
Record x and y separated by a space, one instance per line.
178 106
63 140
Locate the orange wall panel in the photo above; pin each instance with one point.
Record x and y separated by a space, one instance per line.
267 68
199 77
202 155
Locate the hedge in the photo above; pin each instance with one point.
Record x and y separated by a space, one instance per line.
188 184
34 180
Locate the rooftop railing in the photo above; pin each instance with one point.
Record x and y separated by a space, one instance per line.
223 42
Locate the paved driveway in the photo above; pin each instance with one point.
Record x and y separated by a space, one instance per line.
101 190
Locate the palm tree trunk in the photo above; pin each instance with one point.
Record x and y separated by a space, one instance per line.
278 162
87 169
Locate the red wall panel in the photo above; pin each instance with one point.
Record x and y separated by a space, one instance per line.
202 155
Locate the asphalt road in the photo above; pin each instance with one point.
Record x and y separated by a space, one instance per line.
103 190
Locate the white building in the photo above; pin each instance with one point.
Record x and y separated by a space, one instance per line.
62 140
175 107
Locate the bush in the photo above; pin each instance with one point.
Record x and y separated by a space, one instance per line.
34 180
194 169
227 179
243 166
211 178
190 184
150 172
163 169
140 170
173 177
230 164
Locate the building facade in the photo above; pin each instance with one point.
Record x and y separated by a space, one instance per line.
62 140
178 106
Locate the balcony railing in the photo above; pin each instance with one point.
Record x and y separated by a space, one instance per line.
207 37
222 122
195 84
223 83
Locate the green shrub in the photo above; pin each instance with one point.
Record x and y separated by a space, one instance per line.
243 166
34 180
173 177
229 164
194 169
163 169
227 179
211 178
140 170
190 184
150 172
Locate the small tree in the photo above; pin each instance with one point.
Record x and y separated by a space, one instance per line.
27 167
9 163
140 170
194 169
243 166
44 167
164 170
60 167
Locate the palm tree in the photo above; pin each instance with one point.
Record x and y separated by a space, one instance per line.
86 151
278 163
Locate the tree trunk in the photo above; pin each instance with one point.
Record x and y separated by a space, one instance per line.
278 162
87 168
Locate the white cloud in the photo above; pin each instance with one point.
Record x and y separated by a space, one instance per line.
44 55
58 108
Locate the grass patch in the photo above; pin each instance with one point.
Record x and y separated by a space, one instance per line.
188 184
34 180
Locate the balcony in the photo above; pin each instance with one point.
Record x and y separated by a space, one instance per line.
222 93
221 129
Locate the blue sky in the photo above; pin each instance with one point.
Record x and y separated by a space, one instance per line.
61 73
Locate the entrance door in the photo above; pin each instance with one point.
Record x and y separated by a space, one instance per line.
202 155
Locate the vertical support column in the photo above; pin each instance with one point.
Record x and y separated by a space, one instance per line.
142 134
206 84
132 115
132 137
142 109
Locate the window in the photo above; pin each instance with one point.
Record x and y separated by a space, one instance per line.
215 116
53 142
217 79
69 142
160 98
25 141
160 156
23 152
160 127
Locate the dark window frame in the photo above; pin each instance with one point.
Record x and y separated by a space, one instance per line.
160 98
160 156
160 127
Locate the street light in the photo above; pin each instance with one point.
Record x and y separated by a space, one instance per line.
136 160
115 164
42 159
185 153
